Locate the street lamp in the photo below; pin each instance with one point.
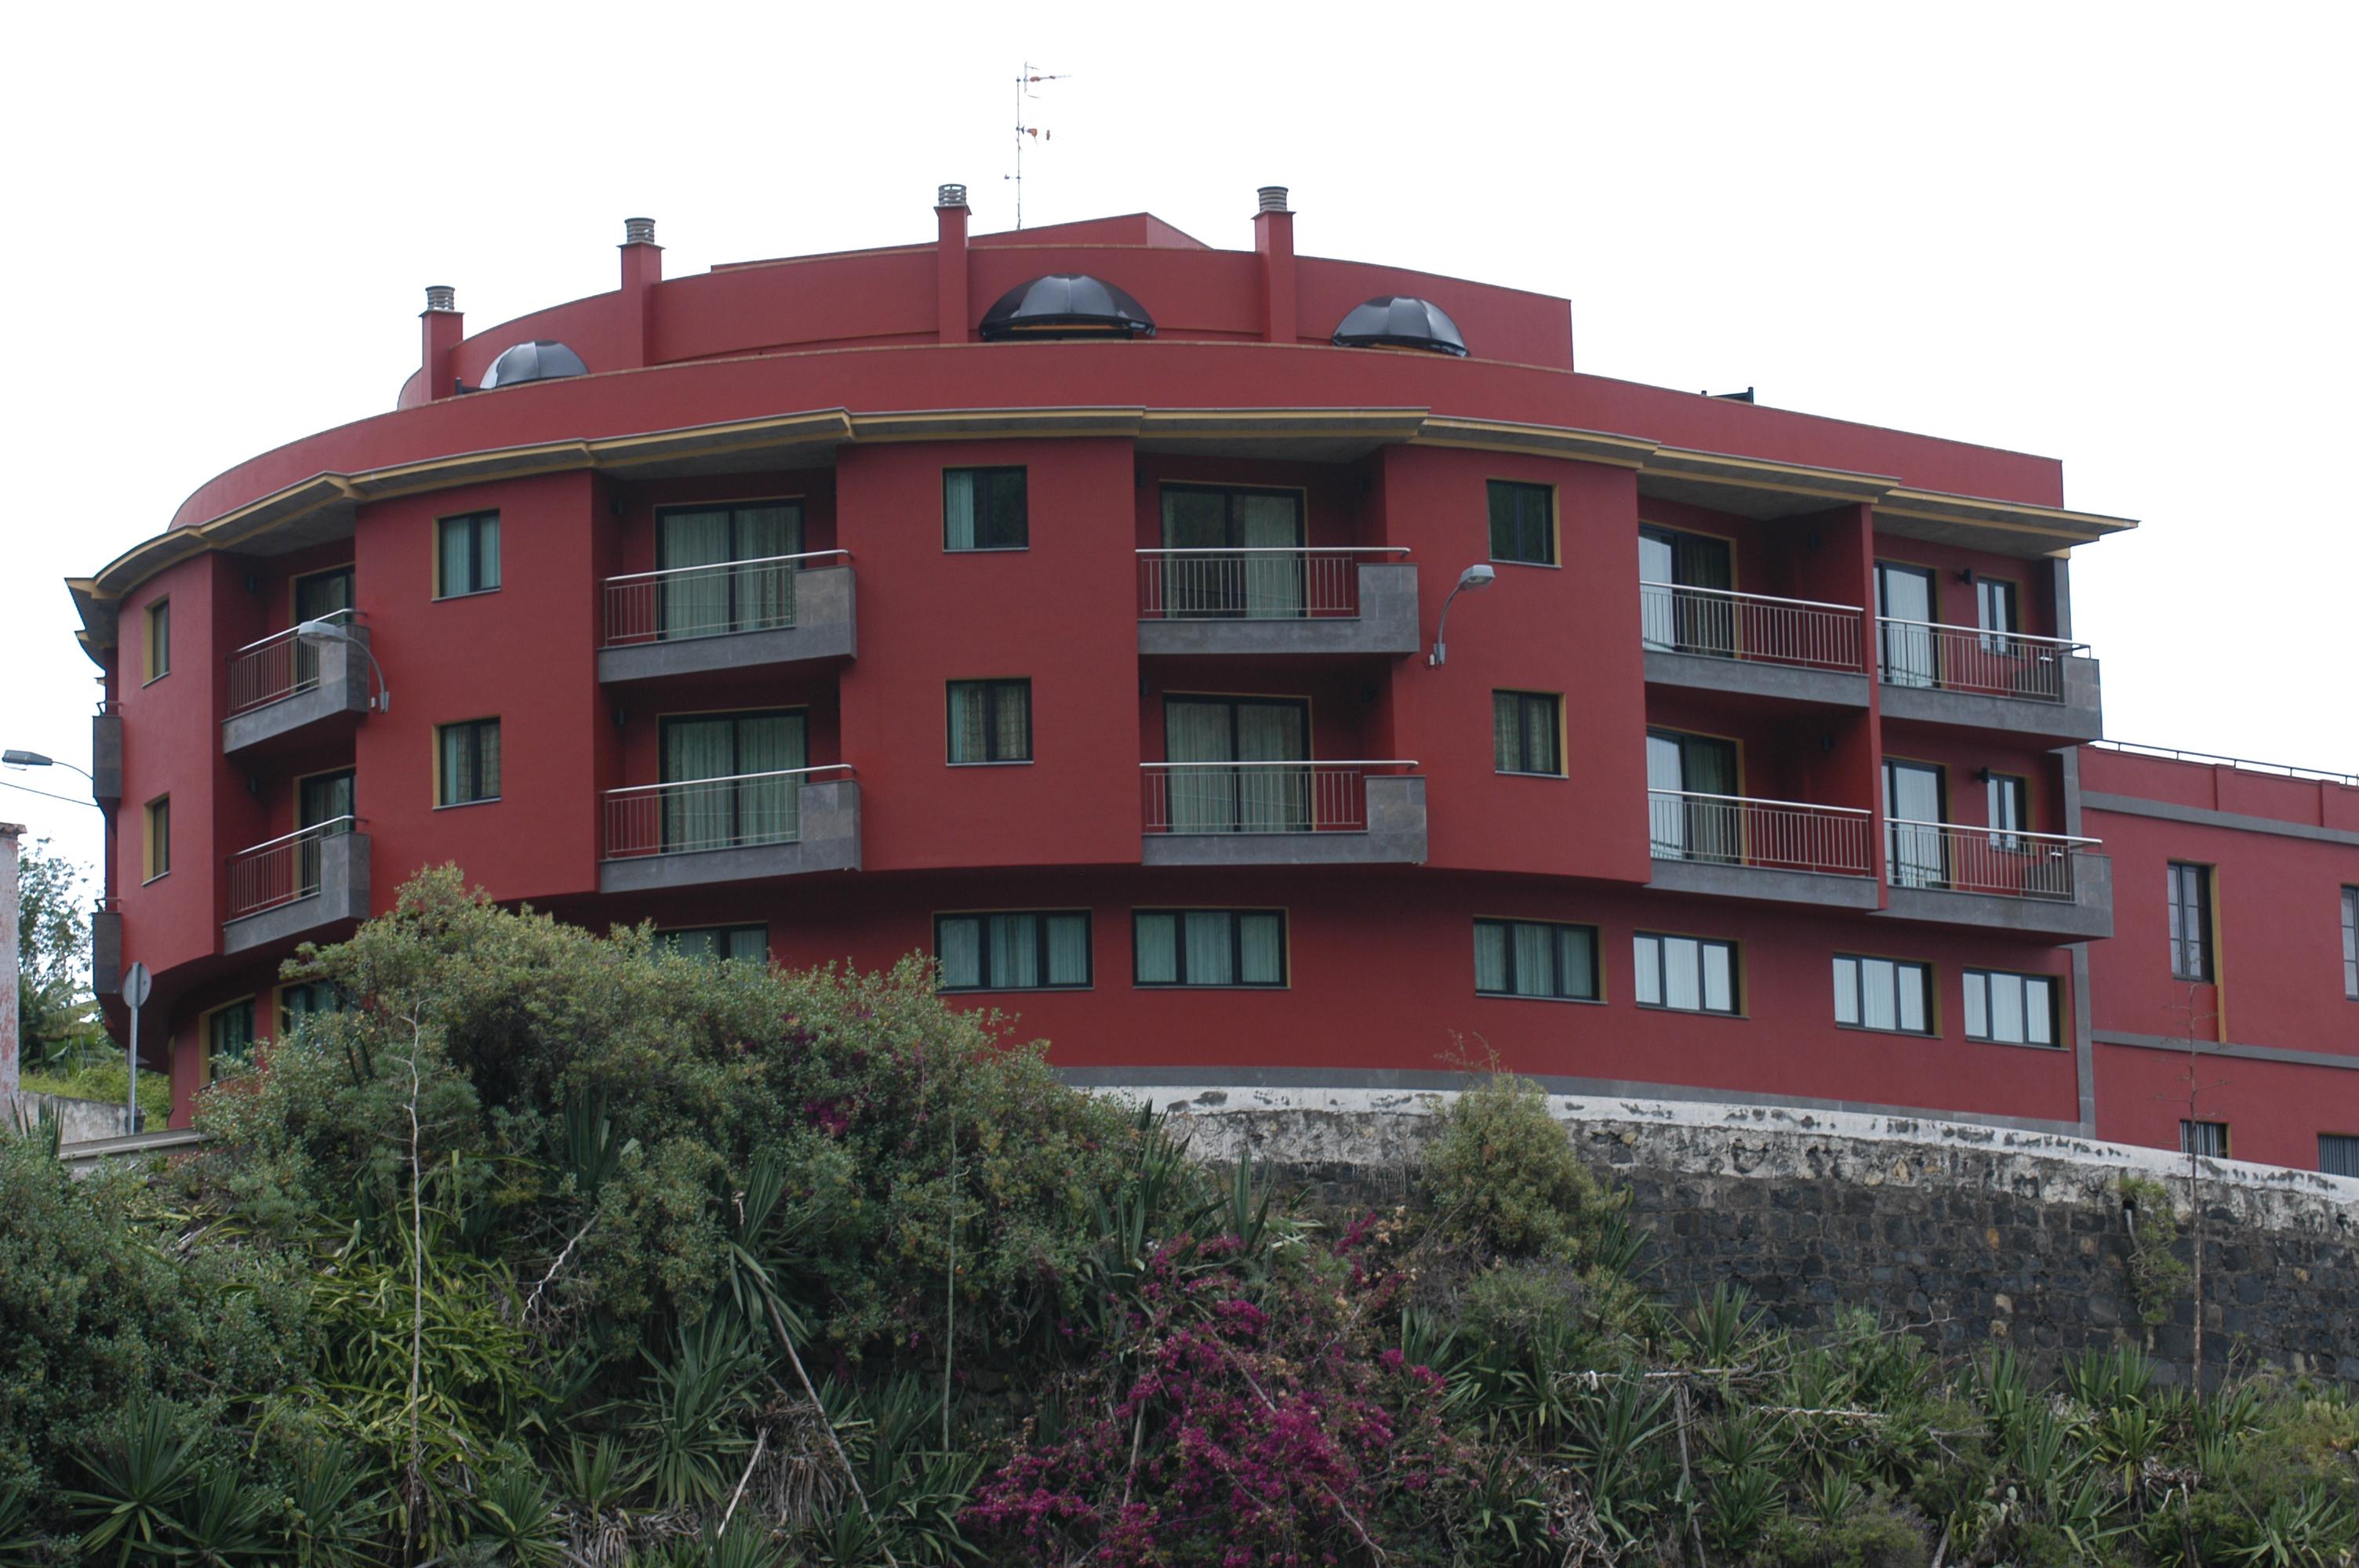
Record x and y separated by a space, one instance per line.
1474 576
16 758
328 631
35 760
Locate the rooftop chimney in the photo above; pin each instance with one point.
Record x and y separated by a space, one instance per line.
441 328
950 264
1274 241
642 270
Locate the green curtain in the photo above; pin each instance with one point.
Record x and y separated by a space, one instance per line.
1261 942
1506 732
1068 949
766 593
1272 800
768 809
961 955
1490 955
970 720
1198 584
958 509
1202 799
1273 583
1535 960
694 604
1158 941
1576 962
697 749
1716 831
1012 710
1211 959
1014 951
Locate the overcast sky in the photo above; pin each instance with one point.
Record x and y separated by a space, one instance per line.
2119 235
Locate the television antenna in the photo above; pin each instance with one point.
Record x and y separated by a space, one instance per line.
1032 76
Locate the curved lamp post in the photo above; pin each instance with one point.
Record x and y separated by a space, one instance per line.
328 631
1474 576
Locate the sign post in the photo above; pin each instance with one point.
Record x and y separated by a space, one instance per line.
136 985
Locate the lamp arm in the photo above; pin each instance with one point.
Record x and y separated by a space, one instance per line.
1440 653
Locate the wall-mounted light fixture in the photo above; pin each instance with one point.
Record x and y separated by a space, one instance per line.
1479 574
328 631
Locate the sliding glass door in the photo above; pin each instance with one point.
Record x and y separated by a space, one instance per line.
746 589
1686 622
1904 608
1681 770
317 597
726 768
1206 737
1916 852
1263 581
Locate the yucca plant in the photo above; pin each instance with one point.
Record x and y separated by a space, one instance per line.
223 1521
334 1515
140 1475
513 1511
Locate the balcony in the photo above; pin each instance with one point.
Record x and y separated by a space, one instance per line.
1715 640
1782 850
1283 814
2047 884
1352 602
776 611
2000 681
743 828
284 684
297 885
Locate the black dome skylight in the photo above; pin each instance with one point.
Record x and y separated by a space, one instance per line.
1399 321
541 360
1066 304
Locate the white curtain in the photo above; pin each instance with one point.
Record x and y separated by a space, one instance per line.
958 509
1490 955
1273 583
1068 949
1157 957
1261 941
1535 960
766 593
768 809
1576 962
1272 800
968 712
1014 951
961 954
1202 799
1209 960
693 604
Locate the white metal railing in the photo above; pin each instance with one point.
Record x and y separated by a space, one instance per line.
271 669
1754 627
281 870
1955 859
1968 659
710 601
2213 759
1258 798
1774 835
1253 584
691 815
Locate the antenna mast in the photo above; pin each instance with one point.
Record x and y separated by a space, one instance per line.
1024 84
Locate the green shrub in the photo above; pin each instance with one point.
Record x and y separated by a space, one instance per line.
2157 1276
110 1082
1502 1173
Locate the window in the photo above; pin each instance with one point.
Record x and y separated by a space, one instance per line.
2207 1139
1232 554
1995 613
1692 814
2009 802
1686 974
1527 732
1905 651
746 770
1020 951
1916 850
309 1000
1884 993
229 1038
2190 922
158 652
467 762
743 944
1204 789
1209 947
1684 605
984 509
2351 943
726 568
1523 523
991 721
157 841
467 555
1530 958
2338 1153
2014 1010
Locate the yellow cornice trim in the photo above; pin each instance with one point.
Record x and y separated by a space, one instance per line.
1970 511
1537 441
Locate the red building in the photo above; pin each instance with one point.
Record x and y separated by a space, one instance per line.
1068 604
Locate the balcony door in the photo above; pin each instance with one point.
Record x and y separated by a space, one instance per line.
1697 623
725 771
1679 768
317 597
1250 585
1905 595
744 586
1916 851
323 801
1205 737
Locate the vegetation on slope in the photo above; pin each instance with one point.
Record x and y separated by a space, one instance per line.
561 1248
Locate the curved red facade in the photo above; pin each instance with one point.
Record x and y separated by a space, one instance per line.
1107 662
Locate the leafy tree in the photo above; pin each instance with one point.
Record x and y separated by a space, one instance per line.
53 1002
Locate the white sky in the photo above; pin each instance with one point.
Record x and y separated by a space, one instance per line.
2116 235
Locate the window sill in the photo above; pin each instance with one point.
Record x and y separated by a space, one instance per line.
1171 986
470 593
1544 566
1008 763
159 876
2016 1045
1690 1012
986 549
1011 990
463 804
1517 996
1872 1029
1521 774
151 680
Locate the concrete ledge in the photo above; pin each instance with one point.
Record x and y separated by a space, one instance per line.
828 825
1387 624
1395 836
344 688
1827 891
1829 688
2079 717
2089 917
343 896
823 629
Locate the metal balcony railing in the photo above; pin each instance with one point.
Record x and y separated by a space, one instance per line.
1773 834
273 668
1949 858
1256 584
1752 627
1966 659
691 815
711 600
281 870
1259 797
